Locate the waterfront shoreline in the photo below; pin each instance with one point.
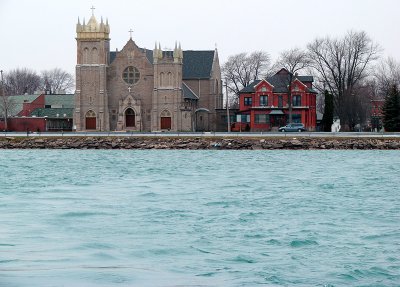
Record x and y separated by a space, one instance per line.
199 143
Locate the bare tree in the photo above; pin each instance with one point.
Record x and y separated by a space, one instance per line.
293 61
242 69
387 74
6 103
57 81
341 65
21 81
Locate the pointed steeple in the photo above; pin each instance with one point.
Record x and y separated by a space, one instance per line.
78 26
155 53
177 53
160 54
180 50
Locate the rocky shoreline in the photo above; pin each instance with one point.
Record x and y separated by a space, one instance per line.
198 143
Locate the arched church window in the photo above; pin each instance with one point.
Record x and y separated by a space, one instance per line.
131 75
165 113
169 79
90 114
161 79
95 56
86 56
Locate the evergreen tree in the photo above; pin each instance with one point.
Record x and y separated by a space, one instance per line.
391 111
327 119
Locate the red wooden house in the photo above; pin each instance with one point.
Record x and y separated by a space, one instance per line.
377 114
263 104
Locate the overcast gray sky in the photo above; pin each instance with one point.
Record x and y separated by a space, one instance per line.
41 34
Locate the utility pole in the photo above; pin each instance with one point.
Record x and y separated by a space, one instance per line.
5 108
227 106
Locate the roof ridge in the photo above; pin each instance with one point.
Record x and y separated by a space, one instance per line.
183 83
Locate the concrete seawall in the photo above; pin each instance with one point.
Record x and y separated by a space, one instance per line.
202 143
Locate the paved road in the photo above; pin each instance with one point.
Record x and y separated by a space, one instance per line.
205 134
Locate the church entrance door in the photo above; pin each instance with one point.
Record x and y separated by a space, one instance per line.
165 120
165 123
129 118
90 120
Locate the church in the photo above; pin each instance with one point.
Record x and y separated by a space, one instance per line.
136 89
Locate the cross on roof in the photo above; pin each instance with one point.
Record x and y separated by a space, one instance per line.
92 10
130 32
129 89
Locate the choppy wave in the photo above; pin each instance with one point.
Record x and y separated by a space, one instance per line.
199 218
301 243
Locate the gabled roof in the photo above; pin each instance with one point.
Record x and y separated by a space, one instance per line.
196 64
280 82
250 87
263 81
188 93
17 103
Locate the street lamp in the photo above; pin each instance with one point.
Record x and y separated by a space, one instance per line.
227 106
4 102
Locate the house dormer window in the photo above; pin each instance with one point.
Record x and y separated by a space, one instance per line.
263 100
296 101
263 89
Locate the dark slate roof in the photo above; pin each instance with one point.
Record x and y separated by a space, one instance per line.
250 87
52 112
196 64
149 55
280 83
312 91
113 55
188 93
306 79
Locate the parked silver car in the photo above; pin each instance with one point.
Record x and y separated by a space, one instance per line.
293 127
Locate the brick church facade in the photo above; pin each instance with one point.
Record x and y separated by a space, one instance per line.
137 89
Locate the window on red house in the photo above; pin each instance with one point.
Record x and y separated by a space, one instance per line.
263 100
245 118
247 101
280 101
296 101
261 119
296 118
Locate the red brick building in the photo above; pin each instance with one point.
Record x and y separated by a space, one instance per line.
39 113
263 105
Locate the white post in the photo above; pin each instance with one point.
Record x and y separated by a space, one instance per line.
227 106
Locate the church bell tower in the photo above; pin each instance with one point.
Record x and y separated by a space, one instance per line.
91 100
